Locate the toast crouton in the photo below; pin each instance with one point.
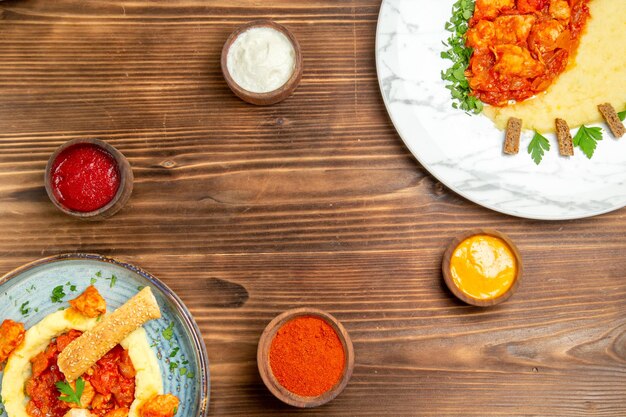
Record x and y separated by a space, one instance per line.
512 136
611 118
564 137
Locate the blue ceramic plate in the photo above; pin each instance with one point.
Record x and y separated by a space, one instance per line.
26 292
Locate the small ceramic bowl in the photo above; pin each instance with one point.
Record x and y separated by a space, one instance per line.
270 380
447 275
121 197
272 97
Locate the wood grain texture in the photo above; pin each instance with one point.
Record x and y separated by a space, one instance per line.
248 211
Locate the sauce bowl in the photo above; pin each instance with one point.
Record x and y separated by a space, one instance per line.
265 370
118 201
449 280
272 97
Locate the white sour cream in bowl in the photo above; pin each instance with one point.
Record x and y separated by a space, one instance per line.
261 59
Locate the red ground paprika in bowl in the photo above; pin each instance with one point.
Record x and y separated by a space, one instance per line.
88 179
305 357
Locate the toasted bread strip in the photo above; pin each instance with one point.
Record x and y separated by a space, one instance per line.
513 133
85 351
564 137
611 118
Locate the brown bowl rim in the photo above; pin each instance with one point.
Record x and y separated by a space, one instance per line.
121 196
447 276
270 97
270 380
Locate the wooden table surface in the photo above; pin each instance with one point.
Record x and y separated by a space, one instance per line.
246 212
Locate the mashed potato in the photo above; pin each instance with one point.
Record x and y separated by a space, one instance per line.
18 369
596 75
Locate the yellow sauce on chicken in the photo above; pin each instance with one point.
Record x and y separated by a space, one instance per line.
595 75
483 267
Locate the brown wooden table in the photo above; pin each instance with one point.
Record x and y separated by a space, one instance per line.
246 212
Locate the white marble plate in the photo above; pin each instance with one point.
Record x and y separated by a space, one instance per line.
465 152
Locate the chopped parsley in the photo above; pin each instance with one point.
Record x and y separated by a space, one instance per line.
537 146
622 115
99 274
175 361
141 287
71 396
31 289
587 139
71 286
168 333
174 352
58 293
93 281
460 55
113 281
24 308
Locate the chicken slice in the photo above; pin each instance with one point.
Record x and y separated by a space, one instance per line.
11 336
544 36
488 9
515 60
90 303
160 406
559 9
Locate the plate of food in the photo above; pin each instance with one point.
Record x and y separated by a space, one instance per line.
513 104
83 335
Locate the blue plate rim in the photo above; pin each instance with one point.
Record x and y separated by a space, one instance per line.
197 340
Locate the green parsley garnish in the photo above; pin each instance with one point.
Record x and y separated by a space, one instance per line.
173 365
460 55
622 115
537 146
72 286
174 352
587 139
113 281
99 274
190 375
58 294
175 410
141 287
71 396
24 308
182 371
168 333
93 281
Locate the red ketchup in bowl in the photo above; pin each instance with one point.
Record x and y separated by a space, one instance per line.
84 177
